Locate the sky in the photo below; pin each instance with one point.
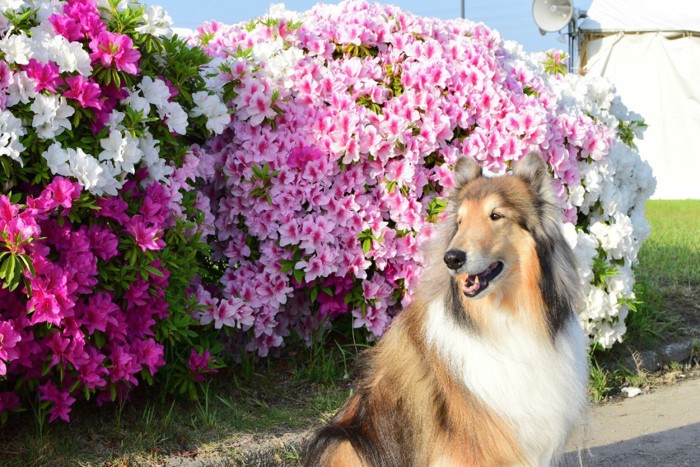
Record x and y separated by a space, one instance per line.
512 18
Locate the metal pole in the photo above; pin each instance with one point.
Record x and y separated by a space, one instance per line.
572 37
463 8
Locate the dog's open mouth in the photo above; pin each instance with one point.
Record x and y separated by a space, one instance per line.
475 284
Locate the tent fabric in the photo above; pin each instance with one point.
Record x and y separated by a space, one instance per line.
642 15
657 75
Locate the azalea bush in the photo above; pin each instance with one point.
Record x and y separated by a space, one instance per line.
347 121
100 226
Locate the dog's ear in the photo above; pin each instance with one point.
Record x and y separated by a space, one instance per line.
466 170
533 169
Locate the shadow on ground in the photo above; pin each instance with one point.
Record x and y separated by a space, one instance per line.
673 448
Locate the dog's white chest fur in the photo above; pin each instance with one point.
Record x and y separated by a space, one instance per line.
539 388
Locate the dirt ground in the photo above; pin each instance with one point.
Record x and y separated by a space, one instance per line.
657 429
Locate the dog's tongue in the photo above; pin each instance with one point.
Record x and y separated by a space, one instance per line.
472 284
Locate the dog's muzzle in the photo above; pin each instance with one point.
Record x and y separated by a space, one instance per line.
455 259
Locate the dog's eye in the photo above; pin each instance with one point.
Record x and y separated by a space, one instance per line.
495 216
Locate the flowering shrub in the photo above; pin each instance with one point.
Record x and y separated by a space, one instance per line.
347 121
100 227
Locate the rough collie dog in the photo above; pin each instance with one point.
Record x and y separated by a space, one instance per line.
488 365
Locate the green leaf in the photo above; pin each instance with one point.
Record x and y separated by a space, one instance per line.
314 293
287 265
367 245
299 275
155 271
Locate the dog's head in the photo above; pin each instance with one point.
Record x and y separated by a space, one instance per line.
495 222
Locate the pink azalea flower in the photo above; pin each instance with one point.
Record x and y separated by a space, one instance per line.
5 74
86 92
7 210
86 15
8 342
45 74
113 207
199 364
150 354
60 399
146 236
99 312
91 371
66 27
124 365
60 192
103 242
115 50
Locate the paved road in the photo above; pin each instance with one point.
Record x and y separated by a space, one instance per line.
657 429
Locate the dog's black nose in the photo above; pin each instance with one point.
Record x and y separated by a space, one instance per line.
455 259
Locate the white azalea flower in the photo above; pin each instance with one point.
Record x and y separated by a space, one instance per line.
138 103
615 238
279 11
22 89
263 51
46 8
69 56
175 117
158 169
122 150
609 333
213 109
108 182
57 160
155 91
17 48
10 5
158 22
149 147
85 168
11 130
114 122
51 115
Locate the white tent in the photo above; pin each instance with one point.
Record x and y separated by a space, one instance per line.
650 50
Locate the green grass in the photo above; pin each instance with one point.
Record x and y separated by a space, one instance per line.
668 274
670 258
667 290
275 396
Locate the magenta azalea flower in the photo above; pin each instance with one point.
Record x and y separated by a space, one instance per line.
61 400
45 74
150 354
5 74
111 49
86 15
199 364
9 338
66 27
86 92
146 236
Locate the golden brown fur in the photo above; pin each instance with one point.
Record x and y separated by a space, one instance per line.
411 409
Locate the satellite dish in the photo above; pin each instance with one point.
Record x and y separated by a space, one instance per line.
552 15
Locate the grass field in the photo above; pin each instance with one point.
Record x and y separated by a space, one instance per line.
668 274
296 392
